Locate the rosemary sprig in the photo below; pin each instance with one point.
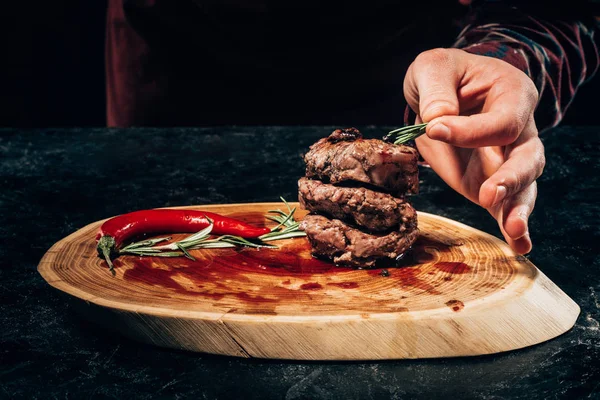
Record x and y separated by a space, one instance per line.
287 228
405 134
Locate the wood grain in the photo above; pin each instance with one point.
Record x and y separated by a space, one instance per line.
460 292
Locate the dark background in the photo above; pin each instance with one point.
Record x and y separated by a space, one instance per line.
54 68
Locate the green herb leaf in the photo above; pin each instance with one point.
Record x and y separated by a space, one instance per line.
405 134
185 252
145 243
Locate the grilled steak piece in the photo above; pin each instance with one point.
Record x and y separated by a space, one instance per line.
372 210
349 246
346 156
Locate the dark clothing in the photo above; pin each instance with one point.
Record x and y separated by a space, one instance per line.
258 62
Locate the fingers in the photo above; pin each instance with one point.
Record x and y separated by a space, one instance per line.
510 192
513 218
431 84
524 165
501 100
510 101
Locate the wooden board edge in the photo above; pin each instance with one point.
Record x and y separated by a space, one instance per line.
45 263
509 324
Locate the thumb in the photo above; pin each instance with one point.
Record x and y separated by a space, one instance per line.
431 84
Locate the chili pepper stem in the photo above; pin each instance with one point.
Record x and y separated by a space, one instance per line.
106 247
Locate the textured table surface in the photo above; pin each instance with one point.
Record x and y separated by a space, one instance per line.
56 181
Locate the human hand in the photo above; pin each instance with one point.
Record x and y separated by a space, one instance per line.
481 137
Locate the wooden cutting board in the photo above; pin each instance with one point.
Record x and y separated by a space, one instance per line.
461 292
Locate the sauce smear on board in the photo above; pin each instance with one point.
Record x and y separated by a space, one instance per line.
290 271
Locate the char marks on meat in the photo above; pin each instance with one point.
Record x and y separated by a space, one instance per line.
369 209
392 168
347 134
350 246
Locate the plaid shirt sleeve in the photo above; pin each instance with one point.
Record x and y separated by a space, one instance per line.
558 52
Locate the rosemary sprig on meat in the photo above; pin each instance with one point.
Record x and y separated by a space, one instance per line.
405 134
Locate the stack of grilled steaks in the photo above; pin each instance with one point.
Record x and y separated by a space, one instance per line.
355 190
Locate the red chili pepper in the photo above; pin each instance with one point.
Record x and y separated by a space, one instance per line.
114 232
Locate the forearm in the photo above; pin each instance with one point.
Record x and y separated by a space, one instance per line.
558 54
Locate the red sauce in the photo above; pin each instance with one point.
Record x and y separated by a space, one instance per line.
453 267
277 262
410 276
422 251
455 305
219 274
225 265
344 285
311 286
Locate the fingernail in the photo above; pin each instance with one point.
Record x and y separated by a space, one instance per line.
440 132
528 238
500 194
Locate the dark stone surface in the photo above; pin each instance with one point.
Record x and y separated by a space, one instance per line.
56 181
